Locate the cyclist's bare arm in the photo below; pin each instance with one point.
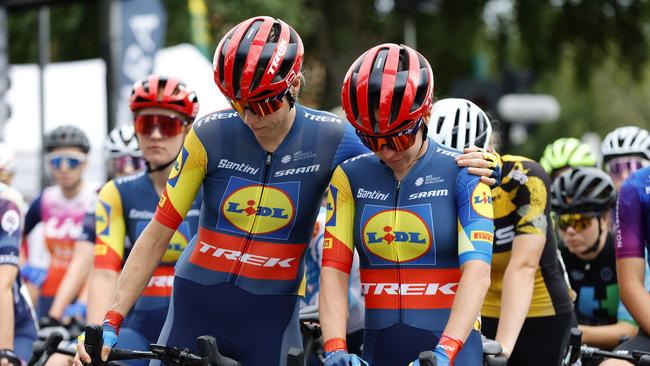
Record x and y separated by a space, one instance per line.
8 275
473 285
631 272
607 336
75 277
333 302
517 290
101 288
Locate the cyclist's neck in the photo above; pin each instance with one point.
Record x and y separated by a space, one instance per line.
159 179
73 191
270 142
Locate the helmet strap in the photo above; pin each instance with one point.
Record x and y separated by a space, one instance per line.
594 247
162 167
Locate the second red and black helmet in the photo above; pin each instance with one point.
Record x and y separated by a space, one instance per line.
387 90
167 93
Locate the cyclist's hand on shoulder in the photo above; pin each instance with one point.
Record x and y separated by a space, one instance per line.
482 163
9 358
343 358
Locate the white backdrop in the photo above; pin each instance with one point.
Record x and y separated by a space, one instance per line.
75 93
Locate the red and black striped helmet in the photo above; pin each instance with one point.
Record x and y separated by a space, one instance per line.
387 90
258 59
167 93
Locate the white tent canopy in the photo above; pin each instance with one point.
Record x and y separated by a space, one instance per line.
75 93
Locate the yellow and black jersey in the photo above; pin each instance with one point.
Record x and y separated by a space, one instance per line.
522 206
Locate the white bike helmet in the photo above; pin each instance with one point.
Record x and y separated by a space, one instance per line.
7 159
122 141
624 141
459 123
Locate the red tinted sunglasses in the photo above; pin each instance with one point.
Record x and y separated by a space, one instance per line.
397 142
167 125
261 108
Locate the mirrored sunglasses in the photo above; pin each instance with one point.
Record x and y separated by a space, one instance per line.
168 126
127 164
619 166
71 161
260 108
397 142
578 222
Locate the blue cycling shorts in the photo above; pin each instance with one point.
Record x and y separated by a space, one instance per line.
401 344
252 329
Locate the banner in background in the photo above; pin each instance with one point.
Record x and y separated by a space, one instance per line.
142 32
199 26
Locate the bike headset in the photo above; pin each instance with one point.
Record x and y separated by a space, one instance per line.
459 123
625 141
166 93
584 190
567 152
258 60
388 91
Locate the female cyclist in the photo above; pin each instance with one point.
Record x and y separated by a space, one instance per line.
422 225
582 198
163 109
529 306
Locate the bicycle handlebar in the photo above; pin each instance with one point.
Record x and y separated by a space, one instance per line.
208 352
42 352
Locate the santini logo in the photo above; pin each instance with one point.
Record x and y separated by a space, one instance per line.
373 195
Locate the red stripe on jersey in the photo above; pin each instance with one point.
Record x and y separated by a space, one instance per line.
161 283
409 288
262 260
336 254
166 213
106 257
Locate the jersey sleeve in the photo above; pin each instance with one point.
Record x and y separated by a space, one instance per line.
10 232
88 226
531 200
110 229
338 245
475 219
349 147
33 215
629 223
183 183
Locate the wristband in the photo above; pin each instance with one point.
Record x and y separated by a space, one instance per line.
114 320
335 344
450 345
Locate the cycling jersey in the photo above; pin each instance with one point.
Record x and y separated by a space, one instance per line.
521 206
24 328
633 216
412 237
62 220
256 219
596 286
124 208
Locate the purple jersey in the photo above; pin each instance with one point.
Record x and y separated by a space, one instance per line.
633 216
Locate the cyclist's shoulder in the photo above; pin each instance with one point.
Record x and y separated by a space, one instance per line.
320 118
130 181
639 180
441 151
521 169
11 194
358 162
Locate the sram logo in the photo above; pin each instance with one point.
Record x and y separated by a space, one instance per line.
247 258
431 193
409 289
301 170
504 235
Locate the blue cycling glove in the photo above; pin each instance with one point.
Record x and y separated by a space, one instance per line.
343 358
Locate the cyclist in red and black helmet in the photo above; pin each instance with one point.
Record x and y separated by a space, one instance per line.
422 226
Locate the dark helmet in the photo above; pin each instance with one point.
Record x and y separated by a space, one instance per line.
166 93
394 80
258 59
67 136
583 190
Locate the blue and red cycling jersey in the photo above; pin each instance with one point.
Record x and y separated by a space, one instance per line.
412 237
124 208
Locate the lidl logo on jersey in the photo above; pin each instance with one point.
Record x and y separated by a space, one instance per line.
101 218
482 201
330 217
178 167
398 236
266 211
